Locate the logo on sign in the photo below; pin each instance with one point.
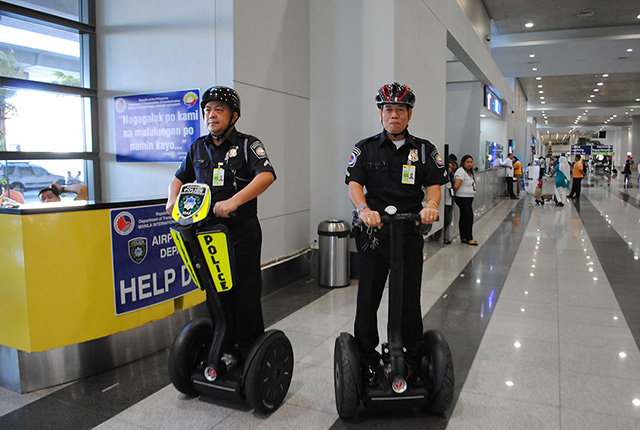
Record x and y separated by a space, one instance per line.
138 249
190 98
124 223
121 105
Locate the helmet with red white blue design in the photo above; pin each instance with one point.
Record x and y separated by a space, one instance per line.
395 94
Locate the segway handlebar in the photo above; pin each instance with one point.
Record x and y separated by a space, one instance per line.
392 216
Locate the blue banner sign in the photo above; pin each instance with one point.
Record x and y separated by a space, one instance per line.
147 268
156 127
580 149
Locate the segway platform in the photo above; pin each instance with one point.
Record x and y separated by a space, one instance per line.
395 384
196 361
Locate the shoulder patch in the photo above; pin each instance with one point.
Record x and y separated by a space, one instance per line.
437 158
258 149
354 156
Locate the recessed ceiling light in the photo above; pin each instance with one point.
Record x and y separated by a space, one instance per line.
540 92
600 84
538 78
542 102
532 55
529 25
535 69
592 95
638 100
630 50
596 89
540 86
541 97
605 75
588 101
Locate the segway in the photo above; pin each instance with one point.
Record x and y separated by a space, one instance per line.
436 362
196 362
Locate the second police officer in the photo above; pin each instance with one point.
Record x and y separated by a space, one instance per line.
395 168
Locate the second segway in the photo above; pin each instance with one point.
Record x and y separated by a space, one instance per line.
436 362
196 362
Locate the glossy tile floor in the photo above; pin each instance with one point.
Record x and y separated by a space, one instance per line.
543 320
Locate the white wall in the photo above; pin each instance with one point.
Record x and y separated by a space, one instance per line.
352 51
271 74
464 106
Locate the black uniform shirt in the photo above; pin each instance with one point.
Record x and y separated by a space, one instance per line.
377 165
242 157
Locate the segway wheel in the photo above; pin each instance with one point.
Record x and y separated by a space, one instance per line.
346 372
439 366
268 374
190 348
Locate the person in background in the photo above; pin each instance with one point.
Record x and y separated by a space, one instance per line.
52 194
453 159
517 174
465 190
448 203
578 174
10 193
627 173
542 163
562 180
507 164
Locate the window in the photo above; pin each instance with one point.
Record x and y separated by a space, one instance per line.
48 95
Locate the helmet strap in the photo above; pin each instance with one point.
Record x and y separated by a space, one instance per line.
220 136
402 133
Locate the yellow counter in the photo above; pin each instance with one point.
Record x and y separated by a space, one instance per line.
57 285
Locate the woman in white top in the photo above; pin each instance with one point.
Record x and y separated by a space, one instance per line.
465 189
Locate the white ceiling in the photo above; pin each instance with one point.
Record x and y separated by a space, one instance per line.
574 42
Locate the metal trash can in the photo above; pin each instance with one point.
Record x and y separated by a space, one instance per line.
333 246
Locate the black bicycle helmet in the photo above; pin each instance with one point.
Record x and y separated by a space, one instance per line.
221 94
226 95
395 94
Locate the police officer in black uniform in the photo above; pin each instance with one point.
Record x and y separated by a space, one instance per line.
395 167
237 169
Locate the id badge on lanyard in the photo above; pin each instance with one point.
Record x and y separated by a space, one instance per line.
408 174
218 177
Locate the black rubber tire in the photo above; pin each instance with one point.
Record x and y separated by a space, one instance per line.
438 365
346 375
190 348
268 375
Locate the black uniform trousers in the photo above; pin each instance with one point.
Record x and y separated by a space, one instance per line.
374 268
242 305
